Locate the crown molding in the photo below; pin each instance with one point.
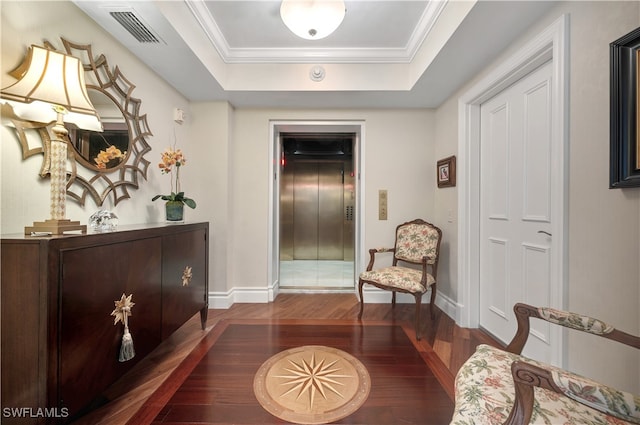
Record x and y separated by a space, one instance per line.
232 55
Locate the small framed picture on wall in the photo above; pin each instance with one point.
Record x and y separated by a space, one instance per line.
446 170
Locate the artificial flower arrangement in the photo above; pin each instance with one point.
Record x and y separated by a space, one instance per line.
106 156
173 158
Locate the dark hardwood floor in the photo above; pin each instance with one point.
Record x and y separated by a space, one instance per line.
441 337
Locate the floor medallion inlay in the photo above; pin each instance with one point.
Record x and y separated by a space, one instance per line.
312 384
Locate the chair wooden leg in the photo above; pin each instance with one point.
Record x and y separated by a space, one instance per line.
360 284
433 301
393 299
417 325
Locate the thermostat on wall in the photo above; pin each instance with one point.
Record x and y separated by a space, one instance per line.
178 115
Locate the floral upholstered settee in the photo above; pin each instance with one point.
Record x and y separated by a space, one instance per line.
495 386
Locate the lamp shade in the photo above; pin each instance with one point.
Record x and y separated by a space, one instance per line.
52 79
312 19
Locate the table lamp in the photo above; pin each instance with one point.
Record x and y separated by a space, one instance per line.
51 87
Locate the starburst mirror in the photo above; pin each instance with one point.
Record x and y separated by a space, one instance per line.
101 165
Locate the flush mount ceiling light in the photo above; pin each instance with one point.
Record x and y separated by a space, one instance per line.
312 19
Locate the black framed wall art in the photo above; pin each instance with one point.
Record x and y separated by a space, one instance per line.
624 166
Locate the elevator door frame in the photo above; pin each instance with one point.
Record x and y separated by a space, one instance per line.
275 150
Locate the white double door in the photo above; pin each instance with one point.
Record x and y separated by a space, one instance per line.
517 191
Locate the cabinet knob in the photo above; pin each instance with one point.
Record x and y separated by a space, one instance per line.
123 309
186 276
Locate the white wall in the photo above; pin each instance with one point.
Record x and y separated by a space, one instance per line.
398 157
446 201
604 231
604 235
210 173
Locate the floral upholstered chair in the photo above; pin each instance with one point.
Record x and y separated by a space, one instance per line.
418 244
502 387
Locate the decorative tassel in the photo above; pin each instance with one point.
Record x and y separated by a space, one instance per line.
127 352
122 313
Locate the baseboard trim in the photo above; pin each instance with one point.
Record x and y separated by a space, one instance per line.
224 300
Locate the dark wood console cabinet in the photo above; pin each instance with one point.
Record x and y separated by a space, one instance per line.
59 343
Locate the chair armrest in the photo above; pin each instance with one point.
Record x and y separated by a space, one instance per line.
376 250
567 319
605 399
525 377
372 254
575 321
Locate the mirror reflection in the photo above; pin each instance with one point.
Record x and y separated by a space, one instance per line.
106 151
112 163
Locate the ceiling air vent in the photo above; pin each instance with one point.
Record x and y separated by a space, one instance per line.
135 26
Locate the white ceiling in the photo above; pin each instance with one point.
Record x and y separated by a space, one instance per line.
386 53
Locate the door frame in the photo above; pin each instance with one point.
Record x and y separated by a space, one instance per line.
550 45
275 152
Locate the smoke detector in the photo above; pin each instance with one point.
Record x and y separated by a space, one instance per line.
317 73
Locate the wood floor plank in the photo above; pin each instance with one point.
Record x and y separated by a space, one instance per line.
126 397
219 390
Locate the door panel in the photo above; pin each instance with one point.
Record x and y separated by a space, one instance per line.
93 278
497 149
537 274
330 211
537 150
180 299
495 297
318 210
516 193
305 211
498 301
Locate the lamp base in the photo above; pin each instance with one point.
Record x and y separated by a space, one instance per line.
55 227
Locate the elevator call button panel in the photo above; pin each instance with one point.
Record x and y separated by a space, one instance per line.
382 205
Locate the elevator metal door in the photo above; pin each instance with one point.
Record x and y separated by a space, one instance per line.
318 210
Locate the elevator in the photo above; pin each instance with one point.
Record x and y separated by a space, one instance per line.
317 198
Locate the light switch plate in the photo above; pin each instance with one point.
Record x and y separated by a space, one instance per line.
382 205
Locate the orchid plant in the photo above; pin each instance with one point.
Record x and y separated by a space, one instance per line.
172 160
